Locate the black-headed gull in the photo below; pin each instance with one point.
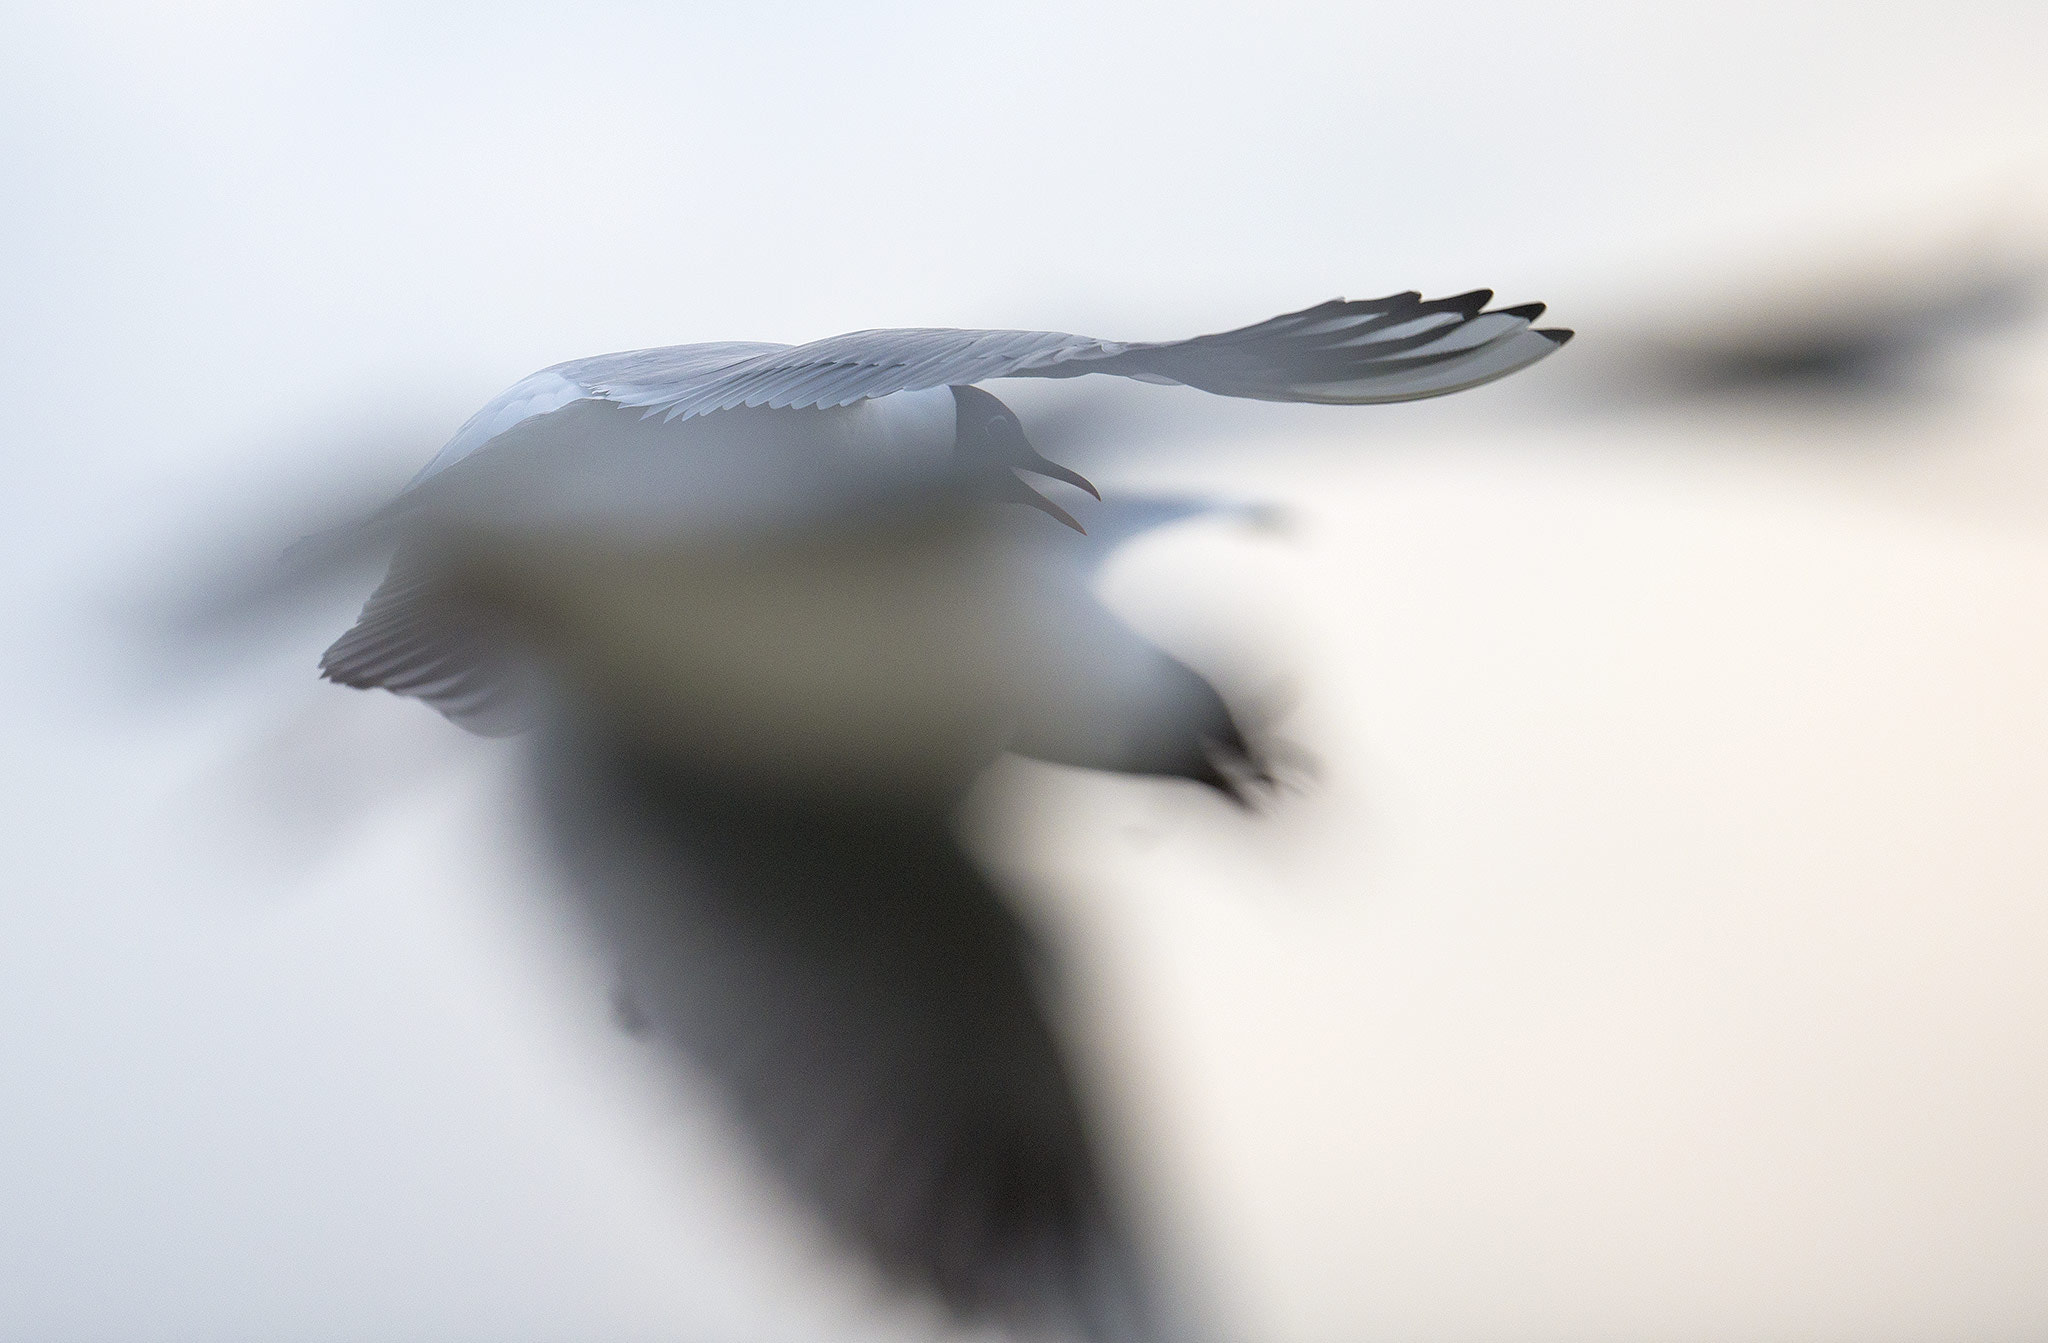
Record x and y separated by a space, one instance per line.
773 613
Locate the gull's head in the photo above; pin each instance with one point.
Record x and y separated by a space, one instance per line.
988 437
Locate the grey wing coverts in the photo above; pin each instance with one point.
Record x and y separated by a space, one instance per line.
1344 352
1341 352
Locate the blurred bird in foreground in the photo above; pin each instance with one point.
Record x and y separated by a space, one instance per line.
768 612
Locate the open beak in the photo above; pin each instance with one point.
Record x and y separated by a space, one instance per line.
1017 491
990 437
1037 464
1041 466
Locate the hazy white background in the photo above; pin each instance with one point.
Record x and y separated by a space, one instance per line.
1659 958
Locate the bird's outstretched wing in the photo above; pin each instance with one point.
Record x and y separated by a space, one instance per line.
1344 352
869 1007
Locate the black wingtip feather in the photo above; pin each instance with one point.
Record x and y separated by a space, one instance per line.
1469 302
1556 335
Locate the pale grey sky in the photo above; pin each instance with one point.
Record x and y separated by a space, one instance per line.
1659 959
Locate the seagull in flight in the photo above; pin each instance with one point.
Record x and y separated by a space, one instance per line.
767 612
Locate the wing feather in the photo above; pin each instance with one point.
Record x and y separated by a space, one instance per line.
870 1009
1398 348
412 641
1342 351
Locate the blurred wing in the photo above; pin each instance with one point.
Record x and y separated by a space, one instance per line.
413 639
1879 341
868 1006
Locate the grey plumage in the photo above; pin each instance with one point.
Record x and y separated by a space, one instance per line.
774 616
871 1010
1344 352
415 637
